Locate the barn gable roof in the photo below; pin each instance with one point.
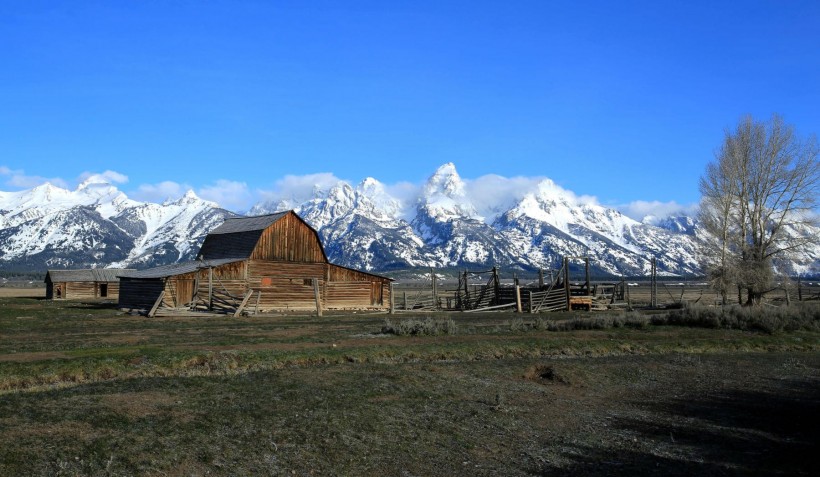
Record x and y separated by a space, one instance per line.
87 275
247 224
181 268
237 237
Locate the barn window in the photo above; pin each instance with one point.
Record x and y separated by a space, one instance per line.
308 281
267 281
103 290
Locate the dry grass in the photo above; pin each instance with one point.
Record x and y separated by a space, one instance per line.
300 395
15 292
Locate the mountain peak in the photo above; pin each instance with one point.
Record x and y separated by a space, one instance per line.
45 186
444 197
548 189
190 198
370 183
445 181
44 193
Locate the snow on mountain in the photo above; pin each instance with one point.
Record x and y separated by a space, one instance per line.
443 197
170 232
550 222
676 223
361 226
442 203
98 225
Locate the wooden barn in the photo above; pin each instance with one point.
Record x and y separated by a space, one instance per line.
262 263
83 284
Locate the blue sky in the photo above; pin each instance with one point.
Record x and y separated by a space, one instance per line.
625 101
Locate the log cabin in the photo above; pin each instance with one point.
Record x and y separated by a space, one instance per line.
272 262
83 284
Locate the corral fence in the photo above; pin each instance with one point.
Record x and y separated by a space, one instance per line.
564 288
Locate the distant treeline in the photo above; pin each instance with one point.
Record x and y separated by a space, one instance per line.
17 275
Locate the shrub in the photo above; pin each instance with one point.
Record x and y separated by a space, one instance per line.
427 326
517 324
765 319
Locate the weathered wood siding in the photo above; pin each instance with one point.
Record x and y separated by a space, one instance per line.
179 290
342 295
228 285
80 290
289 239
352 288
285 285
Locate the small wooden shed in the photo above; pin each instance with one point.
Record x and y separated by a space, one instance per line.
83 284
276 259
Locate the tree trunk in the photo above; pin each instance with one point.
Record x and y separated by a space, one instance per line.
754 297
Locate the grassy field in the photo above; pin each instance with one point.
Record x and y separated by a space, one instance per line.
87 390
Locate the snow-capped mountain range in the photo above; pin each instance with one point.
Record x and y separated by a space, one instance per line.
96 225
361 226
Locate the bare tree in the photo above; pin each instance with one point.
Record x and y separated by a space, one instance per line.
758 196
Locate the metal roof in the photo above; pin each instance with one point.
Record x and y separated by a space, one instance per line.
180 268
87 275
247 224
237 237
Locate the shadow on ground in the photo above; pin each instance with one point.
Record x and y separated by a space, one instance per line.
767 432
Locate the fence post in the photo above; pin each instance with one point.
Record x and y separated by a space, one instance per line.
518 298
392 302
435 291
566 282
530 304
465 303
210 288
318 298
496 287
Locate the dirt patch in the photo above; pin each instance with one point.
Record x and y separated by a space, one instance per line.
138 404
545 374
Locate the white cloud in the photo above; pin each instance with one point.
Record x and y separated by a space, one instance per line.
493 194
160 192
112 177
298 189
231 195
18 179
404 192
639 209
